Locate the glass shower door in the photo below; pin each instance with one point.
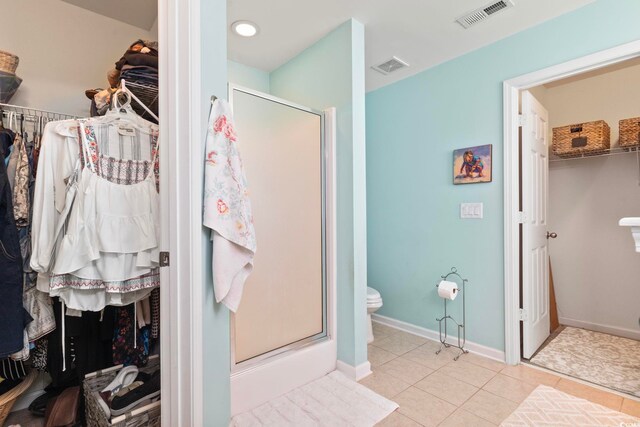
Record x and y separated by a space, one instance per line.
284 301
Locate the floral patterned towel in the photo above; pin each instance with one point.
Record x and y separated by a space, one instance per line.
227 210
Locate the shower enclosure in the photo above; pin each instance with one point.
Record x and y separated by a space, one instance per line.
283 322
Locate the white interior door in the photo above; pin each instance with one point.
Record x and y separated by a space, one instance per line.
535 253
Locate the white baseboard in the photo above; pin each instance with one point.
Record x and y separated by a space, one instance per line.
613 330
356 373
429 334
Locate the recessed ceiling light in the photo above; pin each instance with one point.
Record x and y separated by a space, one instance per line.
244 28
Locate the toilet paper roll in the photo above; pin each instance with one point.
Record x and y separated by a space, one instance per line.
448 290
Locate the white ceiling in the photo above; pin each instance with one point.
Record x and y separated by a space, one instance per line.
139 13
420 32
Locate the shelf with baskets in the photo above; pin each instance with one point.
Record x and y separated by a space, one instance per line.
593 139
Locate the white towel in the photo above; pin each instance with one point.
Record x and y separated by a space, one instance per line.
227 210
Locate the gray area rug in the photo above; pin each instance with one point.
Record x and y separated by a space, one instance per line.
596 357
547 406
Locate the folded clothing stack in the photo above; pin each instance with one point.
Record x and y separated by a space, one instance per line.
139 67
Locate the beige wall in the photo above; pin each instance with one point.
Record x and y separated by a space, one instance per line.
595 267
63 50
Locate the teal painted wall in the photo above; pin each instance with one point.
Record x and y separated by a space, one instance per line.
331 74
216 340
249 77
414 230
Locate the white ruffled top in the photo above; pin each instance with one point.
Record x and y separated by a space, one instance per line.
108 252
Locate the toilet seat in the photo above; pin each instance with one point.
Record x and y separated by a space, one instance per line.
372 294
373 298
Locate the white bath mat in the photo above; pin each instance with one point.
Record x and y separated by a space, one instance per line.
333 400
596 357
547 406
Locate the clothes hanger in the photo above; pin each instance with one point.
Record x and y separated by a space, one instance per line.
123 112
123 87
12 121
41 122
35 127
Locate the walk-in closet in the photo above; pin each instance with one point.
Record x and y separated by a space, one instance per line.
593 183
80 214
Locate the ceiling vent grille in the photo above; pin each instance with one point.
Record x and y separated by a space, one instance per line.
394 64
473 17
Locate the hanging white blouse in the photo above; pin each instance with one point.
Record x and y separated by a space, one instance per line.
107 252
58 159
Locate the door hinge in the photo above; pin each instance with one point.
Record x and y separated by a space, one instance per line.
522 217
521 119
523 315
164 259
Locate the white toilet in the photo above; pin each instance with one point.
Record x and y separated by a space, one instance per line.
374 302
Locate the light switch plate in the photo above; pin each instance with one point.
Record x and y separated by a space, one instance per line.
471 210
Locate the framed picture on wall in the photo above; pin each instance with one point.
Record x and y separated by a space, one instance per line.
472 165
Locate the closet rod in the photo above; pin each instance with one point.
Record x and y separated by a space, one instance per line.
31 114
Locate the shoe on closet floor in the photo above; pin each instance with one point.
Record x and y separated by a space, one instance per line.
63 410
136 393
38 406
125 377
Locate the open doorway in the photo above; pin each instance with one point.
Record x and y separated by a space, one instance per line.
580 320
591 265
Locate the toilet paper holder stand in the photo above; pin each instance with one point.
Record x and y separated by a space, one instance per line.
462 337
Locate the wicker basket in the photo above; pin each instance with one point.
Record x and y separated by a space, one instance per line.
147 415
9 84
8 62
9 398
581 139
630 132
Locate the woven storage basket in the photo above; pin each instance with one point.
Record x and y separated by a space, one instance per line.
9 398
9 84
588 138
630 132
147 415
8 62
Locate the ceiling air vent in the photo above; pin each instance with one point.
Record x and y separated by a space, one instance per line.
473 17
390 66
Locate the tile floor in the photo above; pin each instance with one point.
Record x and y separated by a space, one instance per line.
433 390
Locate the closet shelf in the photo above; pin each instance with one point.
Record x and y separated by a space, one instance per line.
607 153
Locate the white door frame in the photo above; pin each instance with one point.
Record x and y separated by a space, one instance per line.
181 159
511 94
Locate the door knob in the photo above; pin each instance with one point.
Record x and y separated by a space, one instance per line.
552 235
